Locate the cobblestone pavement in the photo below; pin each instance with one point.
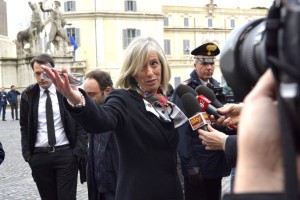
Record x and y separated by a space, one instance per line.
16 181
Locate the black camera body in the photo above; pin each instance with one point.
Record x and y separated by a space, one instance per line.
243 58
219 93
222 95
272 42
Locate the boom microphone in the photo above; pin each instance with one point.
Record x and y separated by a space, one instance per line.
193 112
208 93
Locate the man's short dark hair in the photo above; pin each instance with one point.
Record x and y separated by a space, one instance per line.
42 58
103 78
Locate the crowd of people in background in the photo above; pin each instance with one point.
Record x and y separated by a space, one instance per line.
127 143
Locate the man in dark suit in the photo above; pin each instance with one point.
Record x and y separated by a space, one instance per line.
12 97
53 144
202 169
103 155
3 103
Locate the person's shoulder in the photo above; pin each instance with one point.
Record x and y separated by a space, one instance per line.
124 94
119 93
33 88
187 82
215 82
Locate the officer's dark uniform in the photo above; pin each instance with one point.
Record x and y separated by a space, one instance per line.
202 169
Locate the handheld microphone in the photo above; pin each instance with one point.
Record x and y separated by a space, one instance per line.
206 106
202 90
205 103
193 112
208 93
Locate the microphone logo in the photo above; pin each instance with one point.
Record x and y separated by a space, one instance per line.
201 103
197 121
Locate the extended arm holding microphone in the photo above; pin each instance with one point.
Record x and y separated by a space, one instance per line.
228 115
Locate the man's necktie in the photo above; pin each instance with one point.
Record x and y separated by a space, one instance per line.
50 121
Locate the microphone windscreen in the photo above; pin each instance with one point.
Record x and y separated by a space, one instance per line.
205 91
183 89
190 105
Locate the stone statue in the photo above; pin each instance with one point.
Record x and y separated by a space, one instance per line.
36 24
31 34
56 29
210 7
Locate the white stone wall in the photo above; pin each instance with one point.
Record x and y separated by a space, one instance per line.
7 47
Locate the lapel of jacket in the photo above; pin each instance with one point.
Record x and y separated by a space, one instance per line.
35 107
61 108
152 117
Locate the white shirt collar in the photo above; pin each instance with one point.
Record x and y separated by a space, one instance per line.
51 89
203 82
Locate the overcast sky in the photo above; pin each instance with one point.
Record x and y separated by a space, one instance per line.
19 12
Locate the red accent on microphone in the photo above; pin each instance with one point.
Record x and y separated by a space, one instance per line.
203 101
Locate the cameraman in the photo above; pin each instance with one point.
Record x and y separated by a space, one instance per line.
202 169
260 172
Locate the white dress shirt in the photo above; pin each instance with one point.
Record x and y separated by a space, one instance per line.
42 136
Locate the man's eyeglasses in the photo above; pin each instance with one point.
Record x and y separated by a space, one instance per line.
75 79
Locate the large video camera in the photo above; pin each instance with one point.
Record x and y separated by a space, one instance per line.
270 42
243 59
273 42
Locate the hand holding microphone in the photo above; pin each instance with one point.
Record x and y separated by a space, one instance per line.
212 139
232 111
228 114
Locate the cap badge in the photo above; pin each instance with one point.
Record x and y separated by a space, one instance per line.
211 47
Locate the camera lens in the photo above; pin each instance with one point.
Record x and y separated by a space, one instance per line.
243 59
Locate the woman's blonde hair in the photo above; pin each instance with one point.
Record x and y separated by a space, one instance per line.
135 58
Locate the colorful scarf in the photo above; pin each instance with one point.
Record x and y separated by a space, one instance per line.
165 110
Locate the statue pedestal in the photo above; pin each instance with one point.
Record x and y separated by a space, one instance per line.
18 72
63 61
